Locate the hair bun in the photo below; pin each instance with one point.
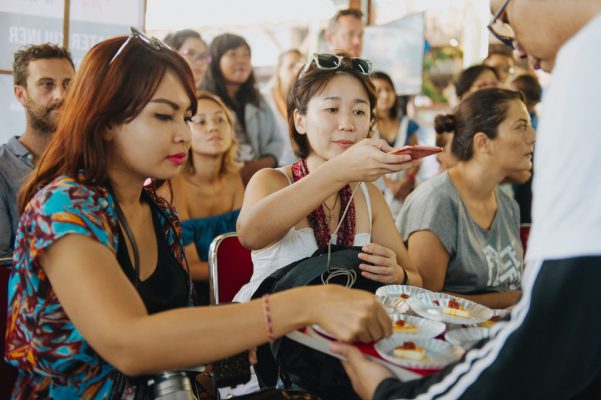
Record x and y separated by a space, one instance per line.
444 123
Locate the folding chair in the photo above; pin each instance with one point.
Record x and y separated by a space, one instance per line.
8 374
230 267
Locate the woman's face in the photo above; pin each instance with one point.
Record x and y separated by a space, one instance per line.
155 143
486 79
386 95
195 53
288 69
336 118
211 132
235 65
514 144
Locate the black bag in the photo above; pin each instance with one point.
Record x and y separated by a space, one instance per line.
298 364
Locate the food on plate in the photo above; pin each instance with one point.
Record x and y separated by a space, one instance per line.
409 351
404 296
490 322
401 326
455 309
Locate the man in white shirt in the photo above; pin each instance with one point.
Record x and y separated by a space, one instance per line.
550 348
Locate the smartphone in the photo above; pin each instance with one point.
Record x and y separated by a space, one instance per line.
417 151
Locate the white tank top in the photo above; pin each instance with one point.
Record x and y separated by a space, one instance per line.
297 244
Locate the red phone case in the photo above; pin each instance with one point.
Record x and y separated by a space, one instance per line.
417 151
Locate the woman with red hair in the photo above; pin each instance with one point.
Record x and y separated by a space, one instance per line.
100 290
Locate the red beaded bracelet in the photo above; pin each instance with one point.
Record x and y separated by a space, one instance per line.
267 315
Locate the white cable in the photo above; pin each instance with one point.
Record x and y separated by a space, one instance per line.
334 272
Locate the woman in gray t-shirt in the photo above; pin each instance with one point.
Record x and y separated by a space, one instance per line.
462 232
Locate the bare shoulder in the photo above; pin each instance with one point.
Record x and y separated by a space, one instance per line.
379 205
374 193
269 180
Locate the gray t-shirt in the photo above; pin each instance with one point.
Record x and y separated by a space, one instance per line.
15 164
480 260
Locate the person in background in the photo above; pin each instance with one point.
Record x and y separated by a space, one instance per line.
472 79
461 230
545 340
276 94
500 57
99 297
231 77
41 75
398 130
290 212
530 87
345 32
189 44
208 192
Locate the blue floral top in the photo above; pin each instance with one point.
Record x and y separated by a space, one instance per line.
53 359
202 231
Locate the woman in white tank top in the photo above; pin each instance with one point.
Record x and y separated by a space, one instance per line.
289 213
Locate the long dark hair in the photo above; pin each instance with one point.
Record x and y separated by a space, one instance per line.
215 82
103 94
483 111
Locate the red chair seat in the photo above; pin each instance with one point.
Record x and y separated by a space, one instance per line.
230 267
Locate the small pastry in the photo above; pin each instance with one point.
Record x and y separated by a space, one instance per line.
409 351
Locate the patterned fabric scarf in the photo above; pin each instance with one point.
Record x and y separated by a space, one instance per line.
317 218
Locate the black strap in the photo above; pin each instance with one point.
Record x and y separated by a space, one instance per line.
130 235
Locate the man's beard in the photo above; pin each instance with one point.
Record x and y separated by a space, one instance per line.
40 117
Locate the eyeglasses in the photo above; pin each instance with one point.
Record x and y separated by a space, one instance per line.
193 56
507 40
150 42
334 61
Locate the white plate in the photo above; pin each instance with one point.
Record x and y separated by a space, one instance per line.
466 337
426 329
425 305
438 352
498 315
396 296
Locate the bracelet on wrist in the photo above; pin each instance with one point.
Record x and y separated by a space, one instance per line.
267 316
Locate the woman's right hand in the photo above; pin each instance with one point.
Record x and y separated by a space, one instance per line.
368 160
349 314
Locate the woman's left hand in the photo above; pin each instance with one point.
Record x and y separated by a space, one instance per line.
385 268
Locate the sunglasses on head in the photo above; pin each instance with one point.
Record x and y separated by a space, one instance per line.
150 42
334 61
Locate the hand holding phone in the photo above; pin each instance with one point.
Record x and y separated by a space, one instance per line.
417 151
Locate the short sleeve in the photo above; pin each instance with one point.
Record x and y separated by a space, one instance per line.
66 207
430 207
